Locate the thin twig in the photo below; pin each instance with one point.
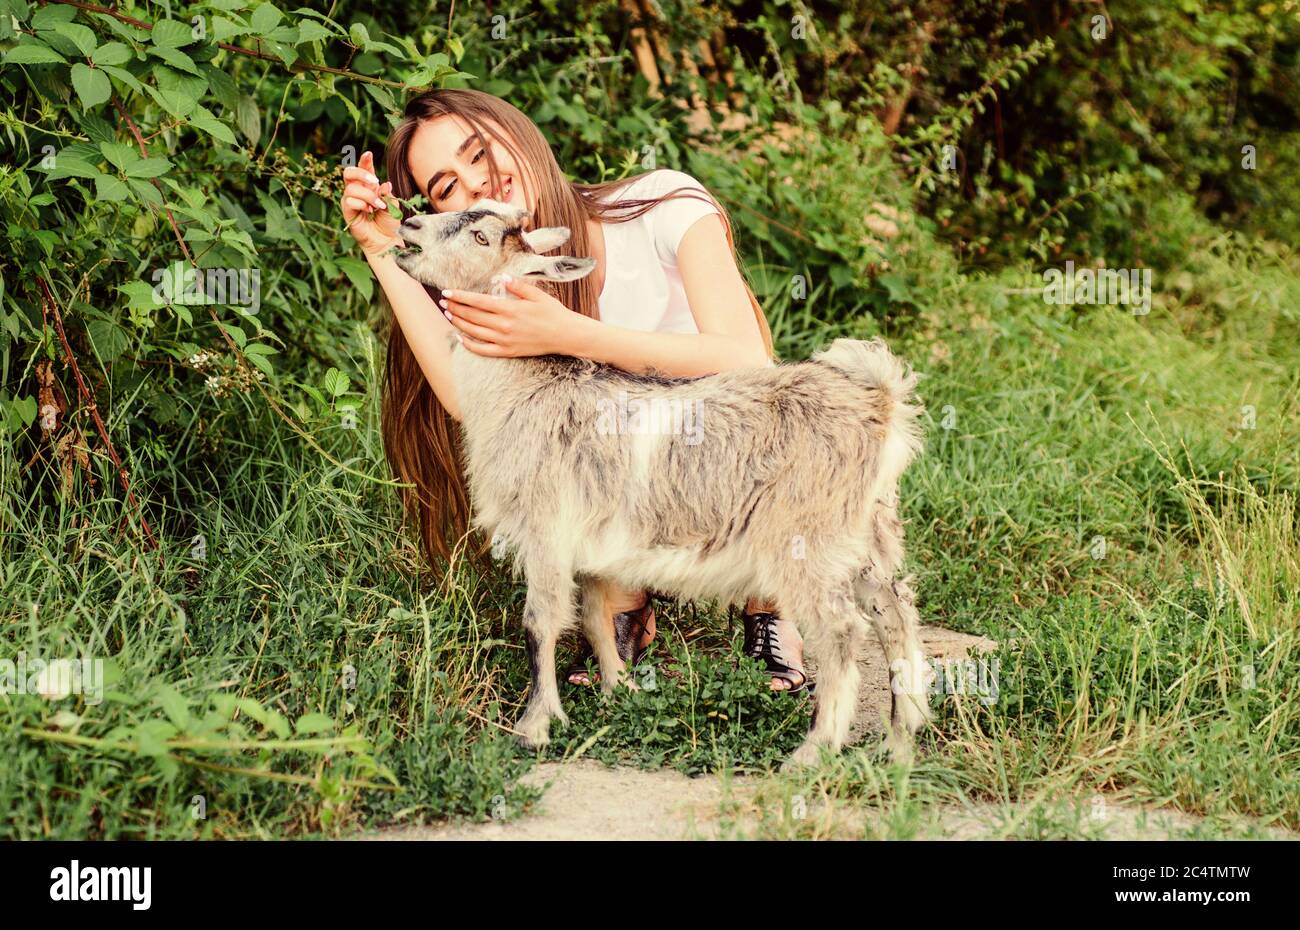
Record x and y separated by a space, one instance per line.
88 742
91 742
280 776
88 399
499 726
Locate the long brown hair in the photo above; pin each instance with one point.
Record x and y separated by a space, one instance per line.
420 436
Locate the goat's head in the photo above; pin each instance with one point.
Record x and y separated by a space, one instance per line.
471 249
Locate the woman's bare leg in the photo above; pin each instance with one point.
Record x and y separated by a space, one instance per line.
620 600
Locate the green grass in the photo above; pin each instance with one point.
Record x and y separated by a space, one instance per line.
1161 672
300 680
698 707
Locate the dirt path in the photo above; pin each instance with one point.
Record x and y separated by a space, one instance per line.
585 800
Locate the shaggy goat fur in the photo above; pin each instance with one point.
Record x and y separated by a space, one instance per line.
778 483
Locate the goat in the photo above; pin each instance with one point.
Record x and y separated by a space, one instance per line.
786 490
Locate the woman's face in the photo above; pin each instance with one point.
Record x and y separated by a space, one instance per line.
450 166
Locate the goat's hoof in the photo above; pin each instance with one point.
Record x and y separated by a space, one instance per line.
534 743
611 683
913 711
900 747
534 732
806 756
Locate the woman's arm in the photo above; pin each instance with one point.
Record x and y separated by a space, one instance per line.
728 331
365 211
680 355
538 324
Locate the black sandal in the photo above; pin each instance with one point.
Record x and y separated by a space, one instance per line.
762 642
629 627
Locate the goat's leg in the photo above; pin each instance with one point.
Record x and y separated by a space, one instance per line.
598 625
548 611
834 630
889 604
890 607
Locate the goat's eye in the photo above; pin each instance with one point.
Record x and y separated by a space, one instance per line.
480 238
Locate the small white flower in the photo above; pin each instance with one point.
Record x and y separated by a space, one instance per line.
55 680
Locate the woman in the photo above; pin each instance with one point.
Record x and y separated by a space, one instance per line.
666 295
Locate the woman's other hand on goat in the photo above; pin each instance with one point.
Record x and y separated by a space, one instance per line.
531 322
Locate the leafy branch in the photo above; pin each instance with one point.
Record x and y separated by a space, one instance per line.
299 66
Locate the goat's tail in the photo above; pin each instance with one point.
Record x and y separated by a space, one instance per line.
872 364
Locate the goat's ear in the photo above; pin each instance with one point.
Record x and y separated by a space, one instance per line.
557 268
503 210
546 238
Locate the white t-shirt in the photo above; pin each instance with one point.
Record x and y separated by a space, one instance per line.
643 285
